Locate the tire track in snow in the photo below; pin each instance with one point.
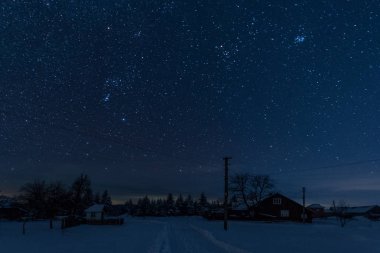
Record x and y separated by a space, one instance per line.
161 244
220 244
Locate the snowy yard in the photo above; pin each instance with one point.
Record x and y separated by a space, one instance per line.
194 234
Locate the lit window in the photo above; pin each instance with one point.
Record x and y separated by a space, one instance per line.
277 201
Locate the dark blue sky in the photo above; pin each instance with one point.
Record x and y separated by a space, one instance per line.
148 96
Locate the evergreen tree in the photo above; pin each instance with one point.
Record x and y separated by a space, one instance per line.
179 204
130 207
189 205
144 206
97 198
160 207
170 204
106 199
203 203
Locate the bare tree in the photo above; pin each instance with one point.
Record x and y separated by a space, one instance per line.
250 189
239 185
261 185
81 194
340 211
57 199
35 197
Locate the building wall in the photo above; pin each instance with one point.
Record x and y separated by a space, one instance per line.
94 215
318 212
279 207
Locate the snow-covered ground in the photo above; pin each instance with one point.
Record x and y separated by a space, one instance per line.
193 234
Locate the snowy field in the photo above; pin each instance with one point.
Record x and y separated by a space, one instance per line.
193 234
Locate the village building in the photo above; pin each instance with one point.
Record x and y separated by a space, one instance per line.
317 210
12 213
9 209
282 208
100 214
371 212
95 213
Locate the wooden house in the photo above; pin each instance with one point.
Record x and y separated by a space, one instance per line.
279 207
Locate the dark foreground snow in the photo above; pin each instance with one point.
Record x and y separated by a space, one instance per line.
194 234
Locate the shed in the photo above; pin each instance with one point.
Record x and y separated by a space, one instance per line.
317 210
95 212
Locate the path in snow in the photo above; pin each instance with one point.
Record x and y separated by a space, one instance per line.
192 235
182 236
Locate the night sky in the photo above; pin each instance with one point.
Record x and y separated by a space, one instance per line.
147 96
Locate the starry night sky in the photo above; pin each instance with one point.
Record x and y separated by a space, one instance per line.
147 96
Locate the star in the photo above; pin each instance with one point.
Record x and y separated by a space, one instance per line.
107 98
299 39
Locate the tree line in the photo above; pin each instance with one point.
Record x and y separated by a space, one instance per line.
47 200
246 189
170 206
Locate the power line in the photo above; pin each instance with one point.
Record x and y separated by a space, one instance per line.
332 166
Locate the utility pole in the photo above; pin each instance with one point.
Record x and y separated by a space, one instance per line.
303 204
226 159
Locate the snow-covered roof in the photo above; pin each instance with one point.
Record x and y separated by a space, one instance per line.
97 208
6 202
359 209
240 207
315 206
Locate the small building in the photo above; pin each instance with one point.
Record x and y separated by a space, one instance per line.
240 212
95 213
371 212
317 210
281 208
374 213
100 214
12 213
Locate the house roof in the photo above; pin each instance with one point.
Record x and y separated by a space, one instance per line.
276 195
360 209
315 206
97 208
240 207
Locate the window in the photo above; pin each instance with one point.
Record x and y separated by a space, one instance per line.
93 214
276 201
284 213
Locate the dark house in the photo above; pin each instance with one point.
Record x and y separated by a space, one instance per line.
317 210
279 207
12 213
